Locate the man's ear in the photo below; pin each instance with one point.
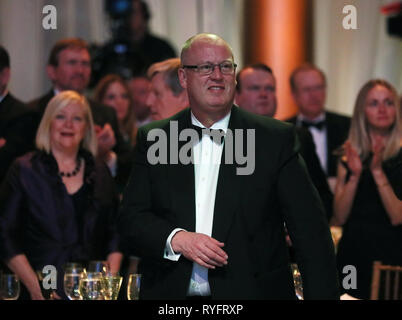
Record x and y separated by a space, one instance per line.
4 78
182 78
51 72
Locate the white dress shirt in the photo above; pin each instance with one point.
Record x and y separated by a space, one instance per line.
207 158
319 137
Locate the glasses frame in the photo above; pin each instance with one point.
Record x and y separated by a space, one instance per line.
213 65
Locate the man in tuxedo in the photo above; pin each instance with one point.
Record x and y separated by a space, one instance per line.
16 121
69 68
256 93
167 96
207 230
329 130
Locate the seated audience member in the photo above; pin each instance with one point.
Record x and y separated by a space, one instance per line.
256 92
16 121
368 194
139 88
69 68
329 130
112 91
167 96
58 204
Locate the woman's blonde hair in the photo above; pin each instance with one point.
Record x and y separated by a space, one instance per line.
127 126
359 134
57 103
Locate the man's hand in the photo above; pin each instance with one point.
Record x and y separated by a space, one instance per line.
200 248
2 142
106 139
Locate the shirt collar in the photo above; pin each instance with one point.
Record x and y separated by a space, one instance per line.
301 117
4 95
221 124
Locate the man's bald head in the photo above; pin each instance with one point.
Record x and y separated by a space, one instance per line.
201 38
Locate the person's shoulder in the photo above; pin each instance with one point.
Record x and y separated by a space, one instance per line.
40 103
291 119
260 123
337 117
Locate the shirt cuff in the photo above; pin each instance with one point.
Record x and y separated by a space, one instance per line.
169 253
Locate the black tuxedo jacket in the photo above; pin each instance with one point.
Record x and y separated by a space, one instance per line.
317 174
249 216
337 132
101 114
17 126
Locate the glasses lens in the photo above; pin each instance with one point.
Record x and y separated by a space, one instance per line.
205 68
227 67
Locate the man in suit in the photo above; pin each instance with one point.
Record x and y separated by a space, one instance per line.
256 93
329 130
205 229
16 121
69 68
167 96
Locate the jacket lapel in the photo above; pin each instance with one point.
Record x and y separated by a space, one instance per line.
228 187
181 181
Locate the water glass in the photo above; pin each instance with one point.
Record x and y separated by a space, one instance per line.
133 287
91 287
9 287
72 276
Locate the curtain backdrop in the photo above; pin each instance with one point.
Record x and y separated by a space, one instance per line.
352 57
348 57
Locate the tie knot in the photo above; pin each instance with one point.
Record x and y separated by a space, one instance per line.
216 135
319 125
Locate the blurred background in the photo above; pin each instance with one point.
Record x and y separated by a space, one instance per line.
280 33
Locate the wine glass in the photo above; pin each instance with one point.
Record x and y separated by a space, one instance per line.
90 287
297 281
72 276
111 286
133 286
9 287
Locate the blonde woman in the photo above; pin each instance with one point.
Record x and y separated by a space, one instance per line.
58 204
368 193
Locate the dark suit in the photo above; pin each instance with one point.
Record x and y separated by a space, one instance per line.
101 114
307 151
17 127
249 215
40 219
337 132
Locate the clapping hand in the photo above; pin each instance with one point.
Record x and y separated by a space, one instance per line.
353 160
377 149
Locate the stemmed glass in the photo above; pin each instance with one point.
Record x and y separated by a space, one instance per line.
72 276
9 287
91 287
111 286
297 280
133 286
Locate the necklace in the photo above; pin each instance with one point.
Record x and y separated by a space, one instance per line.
72 173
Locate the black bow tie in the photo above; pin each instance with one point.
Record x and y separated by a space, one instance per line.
319 125
218 133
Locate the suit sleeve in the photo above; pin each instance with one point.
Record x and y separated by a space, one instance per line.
143 232
11 208
307 224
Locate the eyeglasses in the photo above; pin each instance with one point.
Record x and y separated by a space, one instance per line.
226 67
